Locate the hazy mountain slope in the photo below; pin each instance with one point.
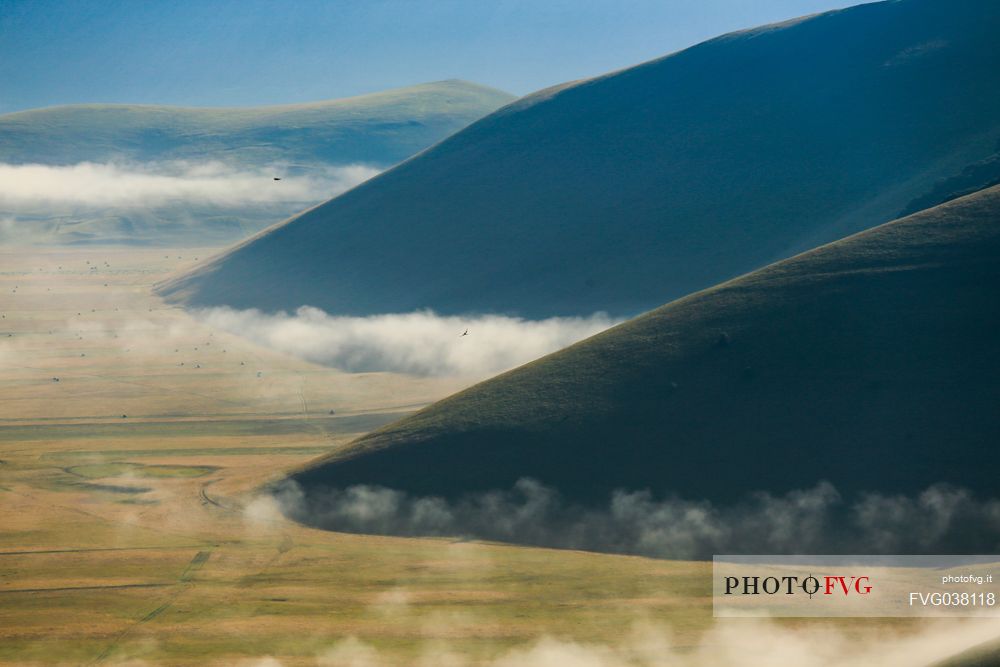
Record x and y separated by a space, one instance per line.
625 191
872 362
301 141
379 129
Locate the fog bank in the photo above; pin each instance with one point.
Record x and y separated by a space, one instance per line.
420 343
32 187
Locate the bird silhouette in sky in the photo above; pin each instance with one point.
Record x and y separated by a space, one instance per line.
465 333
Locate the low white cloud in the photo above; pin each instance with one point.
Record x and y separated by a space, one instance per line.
262 510
29 187
421 343
940 519
266 661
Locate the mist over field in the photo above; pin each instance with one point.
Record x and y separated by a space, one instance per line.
748 643
941 519
142 185
419 343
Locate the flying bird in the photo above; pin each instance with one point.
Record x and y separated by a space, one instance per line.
465 333
276 178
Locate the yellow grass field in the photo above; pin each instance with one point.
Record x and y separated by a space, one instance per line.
131 441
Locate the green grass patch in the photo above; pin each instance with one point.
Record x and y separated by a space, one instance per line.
122 469
210 427
193 452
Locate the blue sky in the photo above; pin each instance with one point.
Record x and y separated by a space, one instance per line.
243 52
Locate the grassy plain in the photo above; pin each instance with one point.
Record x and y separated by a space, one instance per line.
137 540
123 488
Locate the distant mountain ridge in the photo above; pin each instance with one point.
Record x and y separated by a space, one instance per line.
379 129
373 131
624 191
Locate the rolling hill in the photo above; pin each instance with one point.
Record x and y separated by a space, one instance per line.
622 192
376 130
872 362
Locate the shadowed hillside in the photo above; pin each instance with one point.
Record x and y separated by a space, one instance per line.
622 192
872 362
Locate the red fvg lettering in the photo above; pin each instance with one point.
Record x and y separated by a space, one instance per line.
858 585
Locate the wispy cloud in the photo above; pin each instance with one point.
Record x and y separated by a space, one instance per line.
420 343
28 187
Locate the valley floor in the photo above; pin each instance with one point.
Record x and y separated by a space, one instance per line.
131 441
